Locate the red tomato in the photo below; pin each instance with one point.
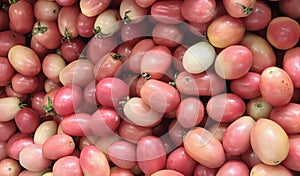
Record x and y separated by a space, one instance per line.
21 17
225 107
160 96
145 3
166 172
233 62
68 165
176 132
199 11
290 8
63 142
46 10
7 129
180 161
110 91
9 167
24 84
117 171
259 18
85 25
201 170
167 11
225 31
67 99
93 162
91 8
6 70
202 146
71 50
283 32
4 20
24 60
150 154
233 168
8 39
104 121
122 154
267 170
67 21
77 124
167 35
276 86
291 64
287 117
293 157
66 2
130 12
238 129
89 93
3 153
27 120
240 8
18 145
250 158
133 32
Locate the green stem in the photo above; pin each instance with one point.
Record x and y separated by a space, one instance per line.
246 9
146 75
127 19
98 32
39 29
116 56
49 109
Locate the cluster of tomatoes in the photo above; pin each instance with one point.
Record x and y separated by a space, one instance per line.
149 87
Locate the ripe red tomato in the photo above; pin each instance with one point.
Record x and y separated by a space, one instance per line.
6 70
46 10
71 50
27 120
24 84
76 124
8 39
291 161
7 129
239 8
167 11
233 168
85 25
291 64
4 20
68 165
167 35
67 21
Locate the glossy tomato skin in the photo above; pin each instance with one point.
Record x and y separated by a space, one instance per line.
239 129
9 166
93 162
27 120
267 170
17 146
166 172
203 147
225 107
107 66
233 168
151 154
67 99
190 10
4 18
92 8
292 160
276 86
46 10
287 117
66 20
160 96
180 161
52 64
240 8
71 50
85 25
6 70
68 165
290 8
24 84
76 124
201 170
291 64
9 107
250 158
7 129
8 39
167 11
21 17
277 148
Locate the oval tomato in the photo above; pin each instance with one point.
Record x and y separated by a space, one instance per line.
68 165
91 8
9 107
77 124
293 157
167 11
6 70
240 8
8 39
291 64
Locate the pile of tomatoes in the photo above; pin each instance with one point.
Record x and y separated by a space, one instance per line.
149 87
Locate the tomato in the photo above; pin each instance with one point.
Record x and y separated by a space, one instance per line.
291 64
160 96
201 170
123 154
287 117
198 57
258 108
46 10
71 50
145 3
133 32
91 8
240 8
167 35
290 8
24 84
140 113
24 60
104 121
150 154
232 168
168 11
10 167
63 142
276 149
103 143
239 129
259 18
18 145
199 11
218 129
131 132
9 107
276 86
93 162
117 171
130 12
8 39
156 61
233 62
44 131
6 70
85 25
190 112
178 54
67 20
291 161
267 170
250 158
76 124
21 17
107 66
66 2
202 146
225 31
52 64
283 32
166 172
107 23
34 173
27 120
31 158
180 161
68 165
137 52
7 129
225 107
39 49
47 34
4 24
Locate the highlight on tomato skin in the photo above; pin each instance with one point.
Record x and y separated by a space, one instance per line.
148 87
